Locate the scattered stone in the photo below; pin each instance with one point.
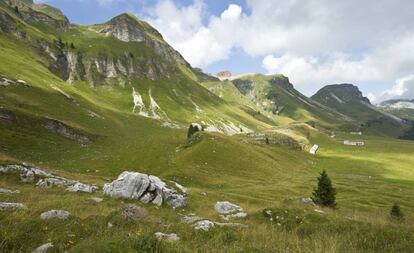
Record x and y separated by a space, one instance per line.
80 187
22 82
132 212
7 191
225 207
51 182
239 215
44 248
204 225
4 206
307 201
110 225
191 218
97 200
233 225
27 176
55 214
168 237
147 188
319 211
269 213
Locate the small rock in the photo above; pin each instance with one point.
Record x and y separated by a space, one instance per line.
225 207
55 214
132 212
53 181
97 200
4 206
189 219
236 225
319 211
204 225
168 237
110 225
307 201
7 191
27 176
80 187
44 248
239 215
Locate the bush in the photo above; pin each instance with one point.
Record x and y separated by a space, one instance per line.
396 213
324 194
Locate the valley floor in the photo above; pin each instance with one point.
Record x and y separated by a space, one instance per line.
369 180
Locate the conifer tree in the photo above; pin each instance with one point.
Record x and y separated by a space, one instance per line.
324 194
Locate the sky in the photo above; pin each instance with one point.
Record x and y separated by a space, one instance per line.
368 43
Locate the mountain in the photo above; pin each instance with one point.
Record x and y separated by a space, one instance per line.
402 108
348 100
122 65
275 97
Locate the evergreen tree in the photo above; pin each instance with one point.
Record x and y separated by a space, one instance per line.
396 213
16 9
324 194
267 140
72 45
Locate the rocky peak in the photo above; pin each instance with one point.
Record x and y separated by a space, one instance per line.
342 93
282 81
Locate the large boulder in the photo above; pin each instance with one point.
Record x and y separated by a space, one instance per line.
146 188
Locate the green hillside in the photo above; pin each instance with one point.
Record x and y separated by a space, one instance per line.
88 102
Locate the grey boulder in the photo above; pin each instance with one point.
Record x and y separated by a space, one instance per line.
146 188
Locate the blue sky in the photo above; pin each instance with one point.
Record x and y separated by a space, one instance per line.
313 42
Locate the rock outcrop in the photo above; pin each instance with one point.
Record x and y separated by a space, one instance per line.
8 192
146 188
45 179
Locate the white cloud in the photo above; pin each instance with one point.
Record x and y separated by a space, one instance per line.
232 13
314 42
402 89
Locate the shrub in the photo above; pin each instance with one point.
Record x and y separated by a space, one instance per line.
396 213
324 194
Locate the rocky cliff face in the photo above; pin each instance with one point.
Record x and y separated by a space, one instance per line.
97 67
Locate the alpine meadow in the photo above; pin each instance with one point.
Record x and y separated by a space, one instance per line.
111 141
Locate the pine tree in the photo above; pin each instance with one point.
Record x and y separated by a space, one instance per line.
396 213
267 140
72 45
16 9
324 194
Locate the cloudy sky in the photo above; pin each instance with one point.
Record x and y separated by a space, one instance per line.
369 43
